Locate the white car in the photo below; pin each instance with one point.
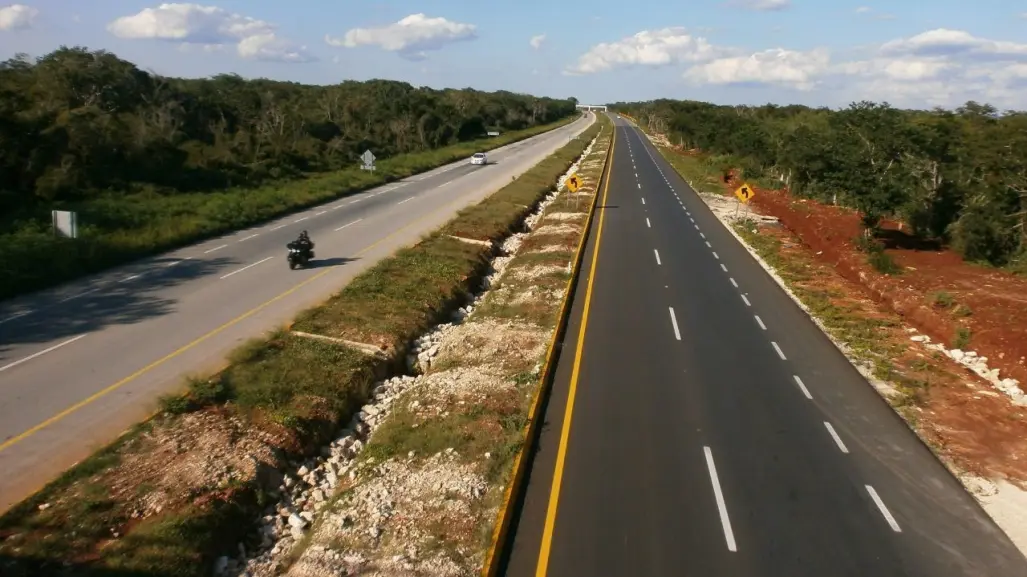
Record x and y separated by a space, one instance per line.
479 158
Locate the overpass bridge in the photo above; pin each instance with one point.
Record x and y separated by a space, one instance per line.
592 107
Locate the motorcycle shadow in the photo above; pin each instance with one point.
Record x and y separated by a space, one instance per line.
327 262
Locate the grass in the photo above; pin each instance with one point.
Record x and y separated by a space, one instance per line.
307 386
118 228
942 299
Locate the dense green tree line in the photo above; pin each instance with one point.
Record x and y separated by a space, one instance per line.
76 124
150 163
955 175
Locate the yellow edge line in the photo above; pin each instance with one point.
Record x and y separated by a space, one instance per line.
502 527
561 455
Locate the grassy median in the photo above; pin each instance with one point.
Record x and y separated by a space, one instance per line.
189 484
120 228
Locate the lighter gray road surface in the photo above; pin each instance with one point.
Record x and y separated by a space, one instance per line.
81 363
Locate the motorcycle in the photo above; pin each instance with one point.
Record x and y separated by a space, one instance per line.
298 256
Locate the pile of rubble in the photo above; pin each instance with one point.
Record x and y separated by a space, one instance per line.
979 365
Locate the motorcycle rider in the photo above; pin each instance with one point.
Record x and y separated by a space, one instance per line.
305 244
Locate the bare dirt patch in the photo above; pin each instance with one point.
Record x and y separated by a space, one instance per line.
991 304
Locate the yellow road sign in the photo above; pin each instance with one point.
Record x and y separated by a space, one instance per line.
745 193
573 182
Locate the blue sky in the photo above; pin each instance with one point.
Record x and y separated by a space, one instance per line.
728 51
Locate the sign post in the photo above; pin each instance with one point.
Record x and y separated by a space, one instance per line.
573 183
368 159
744 194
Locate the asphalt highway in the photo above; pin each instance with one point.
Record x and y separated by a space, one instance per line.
701 424
81 363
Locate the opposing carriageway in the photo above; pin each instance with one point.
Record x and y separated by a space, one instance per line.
82 362
701 424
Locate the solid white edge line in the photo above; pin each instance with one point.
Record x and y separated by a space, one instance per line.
647 223
246 267
348 224
802 386
760 321
674 321
837 439
407 200
780 353
718 495
747 303
884 510
214 249
40 353
732 279
657 253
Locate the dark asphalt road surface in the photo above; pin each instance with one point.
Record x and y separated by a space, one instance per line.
715 430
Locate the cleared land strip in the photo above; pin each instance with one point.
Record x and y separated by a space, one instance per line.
261 441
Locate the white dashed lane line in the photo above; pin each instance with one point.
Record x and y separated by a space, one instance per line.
657 253
40 353
647 223
747 303
884 510
249 237
249 266
718 496
348 224
301 219
760 321
733 282
802 387
780 353
722 267
837 439
674 322
214 249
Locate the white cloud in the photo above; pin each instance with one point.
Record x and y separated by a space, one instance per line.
945 43
269 47
411 37
863 10
17 17
647 48
537 41
777 66
209 26
937 67
941 67
763 5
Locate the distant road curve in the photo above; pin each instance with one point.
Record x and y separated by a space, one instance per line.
84 361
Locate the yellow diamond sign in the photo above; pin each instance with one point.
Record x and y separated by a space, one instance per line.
573 182
745 193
